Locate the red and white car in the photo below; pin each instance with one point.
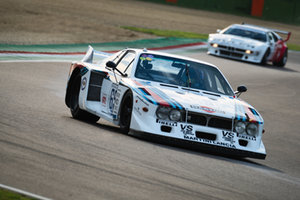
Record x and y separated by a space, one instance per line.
250 43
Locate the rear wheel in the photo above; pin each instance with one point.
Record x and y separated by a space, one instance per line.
126 111
283 60
76 112
264 60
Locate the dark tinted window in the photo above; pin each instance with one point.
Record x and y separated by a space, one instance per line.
181 72
260 36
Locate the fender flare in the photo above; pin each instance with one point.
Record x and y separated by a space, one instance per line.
75 72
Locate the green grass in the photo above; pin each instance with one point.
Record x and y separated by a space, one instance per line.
181 34
9 195
167 33
294 47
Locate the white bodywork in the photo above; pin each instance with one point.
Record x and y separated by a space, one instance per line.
149 95
243 48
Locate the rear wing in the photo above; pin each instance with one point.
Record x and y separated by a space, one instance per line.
283 32
275 30
91 53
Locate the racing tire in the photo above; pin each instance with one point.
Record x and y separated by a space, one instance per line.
76 112
283 60
264 60
125 112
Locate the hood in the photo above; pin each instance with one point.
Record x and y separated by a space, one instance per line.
234 40
196 101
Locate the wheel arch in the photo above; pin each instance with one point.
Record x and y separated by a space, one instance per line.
75 72
265 56
128 92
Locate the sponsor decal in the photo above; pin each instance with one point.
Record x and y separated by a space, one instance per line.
167 123
103 100
83 83
146 57
224 144
137 110
112 98
187 129
83 71
246 137
142 100
228 136
206 109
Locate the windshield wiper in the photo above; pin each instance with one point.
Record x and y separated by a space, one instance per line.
187 73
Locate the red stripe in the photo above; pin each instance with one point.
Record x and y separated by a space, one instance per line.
83 53
154 95
178 46
48 53
51 53
252 118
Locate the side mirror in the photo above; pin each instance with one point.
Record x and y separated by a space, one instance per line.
240 90
111 64
218 30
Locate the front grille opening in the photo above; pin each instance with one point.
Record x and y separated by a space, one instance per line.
233 54
243 143
208 136
166 129
220 123
194 118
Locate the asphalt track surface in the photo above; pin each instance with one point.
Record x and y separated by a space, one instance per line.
45 151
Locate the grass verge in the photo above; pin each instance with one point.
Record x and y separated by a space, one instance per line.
294 47
9 195
181 34
167 33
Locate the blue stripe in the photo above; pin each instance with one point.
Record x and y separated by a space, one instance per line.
142 94
166 98
163 96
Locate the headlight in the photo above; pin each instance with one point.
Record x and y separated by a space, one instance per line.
248 52
215 45
252 129
167 113
175 115
240 127
162 112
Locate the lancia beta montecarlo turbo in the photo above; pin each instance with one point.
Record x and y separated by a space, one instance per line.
165 96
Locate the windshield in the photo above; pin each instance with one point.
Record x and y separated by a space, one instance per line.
260 36
181 72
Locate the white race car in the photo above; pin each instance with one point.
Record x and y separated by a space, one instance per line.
250 43
166 96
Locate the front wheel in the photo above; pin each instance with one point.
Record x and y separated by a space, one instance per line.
76 112
283 60
125 112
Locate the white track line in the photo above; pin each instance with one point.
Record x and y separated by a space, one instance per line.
23 192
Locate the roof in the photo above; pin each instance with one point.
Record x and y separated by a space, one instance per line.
173 55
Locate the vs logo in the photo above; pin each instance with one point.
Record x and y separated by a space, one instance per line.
186 129
228 136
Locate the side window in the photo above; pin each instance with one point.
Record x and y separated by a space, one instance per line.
126 62
275 37
270 36
116 59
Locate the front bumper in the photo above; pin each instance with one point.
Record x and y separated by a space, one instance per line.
206 148
234 53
